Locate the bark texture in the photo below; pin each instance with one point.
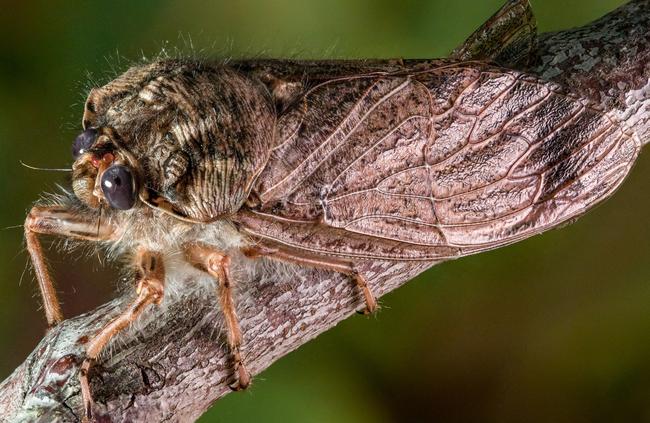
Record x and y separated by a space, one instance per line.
175 364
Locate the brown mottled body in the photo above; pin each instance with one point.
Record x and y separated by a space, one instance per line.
323 164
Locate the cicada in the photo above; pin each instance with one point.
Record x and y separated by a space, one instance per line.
323 164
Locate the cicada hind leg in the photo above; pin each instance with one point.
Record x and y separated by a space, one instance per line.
288 255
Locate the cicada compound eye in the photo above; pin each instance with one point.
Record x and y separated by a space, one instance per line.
118 187
84 142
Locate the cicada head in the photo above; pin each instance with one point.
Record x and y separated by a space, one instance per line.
104 171
184 137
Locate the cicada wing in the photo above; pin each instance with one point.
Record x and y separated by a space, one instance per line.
435 164
508 38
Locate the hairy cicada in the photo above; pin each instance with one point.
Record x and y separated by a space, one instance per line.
325 164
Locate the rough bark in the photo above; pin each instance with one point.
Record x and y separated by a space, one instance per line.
175 365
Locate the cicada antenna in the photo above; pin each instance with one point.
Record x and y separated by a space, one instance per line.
13 227
44 168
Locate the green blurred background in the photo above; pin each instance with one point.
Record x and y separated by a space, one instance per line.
553 329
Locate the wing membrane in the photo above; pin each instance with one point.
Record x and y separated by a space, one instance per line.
434 164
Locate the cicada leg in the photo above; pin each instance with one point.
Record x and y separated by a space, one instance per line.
57 220
217 264
328 263
150 290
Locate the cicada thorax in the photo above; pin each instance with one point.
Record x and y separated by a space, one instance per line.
199 133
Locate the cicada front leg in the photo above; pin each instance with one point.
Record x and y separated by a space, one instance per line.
328 263
150 290
60 221
217 264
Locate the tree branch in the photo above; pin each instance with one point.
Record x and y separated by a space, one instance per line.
176 364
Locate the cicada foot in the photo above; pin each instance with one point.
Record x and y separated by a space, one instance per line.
243 376
217 265
371 301
86 396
